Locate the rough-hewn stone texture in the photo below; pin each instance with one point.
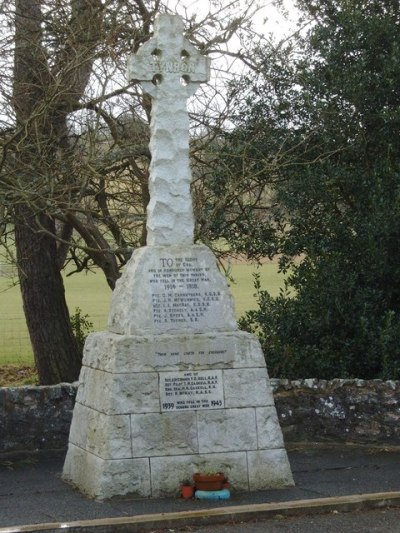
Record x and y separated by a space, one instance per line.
170 69
151 274
115 353
35 418
170 288
268 469
227 430
247 387
267 424
94 429
118 394
88 471
339 410
173 433
168 472
220 410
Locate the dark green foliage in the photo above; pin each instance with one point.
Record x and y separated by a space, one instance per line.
335 112
81 327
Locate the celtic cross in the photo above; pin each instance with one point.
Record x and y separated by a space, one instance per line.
170 70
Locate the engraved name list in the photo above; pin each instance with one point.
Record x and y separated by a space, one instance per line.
191 390
180 291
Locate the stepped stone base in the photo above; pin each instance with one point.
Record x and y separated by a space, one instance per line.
126 437
173 387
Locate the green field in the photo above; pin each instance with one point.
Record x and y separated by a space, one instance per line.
91 294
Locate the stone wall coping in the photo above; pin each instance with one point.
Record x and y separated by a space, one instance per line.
279 385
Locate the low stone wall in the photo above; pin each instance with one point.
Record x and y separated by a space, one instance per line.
352 411
35 418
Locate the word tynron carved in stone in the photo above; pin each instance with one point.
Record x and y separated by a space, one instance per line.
170 69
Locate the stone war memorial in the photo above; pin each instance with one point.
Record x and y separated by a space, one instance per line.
173 387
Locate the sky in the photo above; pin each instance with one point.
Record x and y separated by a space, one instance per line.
269 17
269 20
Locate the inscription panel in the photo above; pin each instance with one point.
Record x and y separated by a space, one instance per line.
184 67
205 354
174 289
191 390
181 291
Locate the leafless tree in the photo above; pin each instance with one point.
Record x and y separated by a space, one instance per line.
74 145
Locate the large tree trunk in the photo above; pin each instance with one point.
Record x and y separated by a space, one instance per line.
56 352
43 95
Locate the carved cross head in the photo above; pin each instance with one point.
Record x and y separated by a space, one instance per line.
168 63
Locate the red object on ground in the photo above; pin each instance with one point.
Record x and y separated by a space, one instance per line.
209 481
187 492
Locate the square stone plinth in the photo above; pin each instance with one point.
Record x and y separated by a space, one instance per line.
269 469
168 472
151 410
105 478
164 434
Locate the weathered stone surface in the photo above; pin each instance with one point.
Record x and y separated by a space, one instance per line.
247 388
269 469
269 433
339 410
35 418
168 472
171 289
164 434
102 479
91 430
227 430
117 394
178 68
111 352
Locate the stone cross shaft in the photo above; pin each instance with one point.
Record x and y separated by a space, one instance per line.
170 69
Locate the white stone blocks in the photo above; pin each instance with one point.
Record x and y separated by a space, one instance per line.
269 434
115 353
169 212
247 387
91 430
119 418
225 430
102 479
161 475
173 387
168 472
171 289
164 434
117 394
269 469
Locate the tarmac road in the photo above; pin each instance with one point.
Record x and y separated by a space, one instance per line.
327 478
382 521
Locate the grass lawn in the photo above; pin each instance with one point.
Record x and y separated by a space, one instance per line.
243 287
91 294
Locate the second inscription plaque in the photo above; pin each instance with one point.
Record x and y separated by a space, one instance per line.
191 390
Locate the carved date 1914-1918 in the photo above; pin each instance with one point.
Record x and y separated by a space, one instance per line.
180 291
